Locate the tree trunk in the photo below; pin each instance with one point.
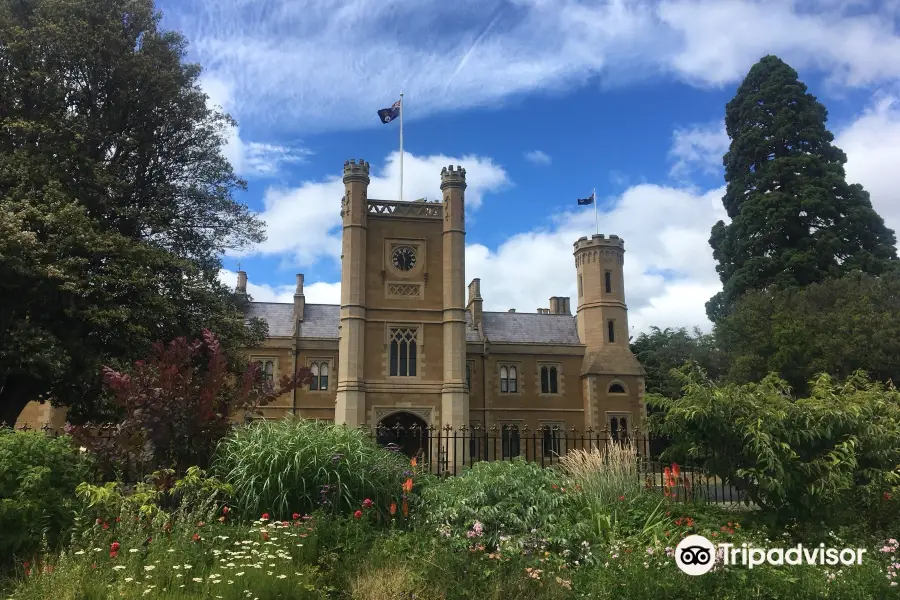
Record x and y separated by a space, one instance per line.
15 394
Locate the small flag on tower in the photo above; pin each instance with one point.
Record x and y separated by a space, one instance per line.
389 114
588 200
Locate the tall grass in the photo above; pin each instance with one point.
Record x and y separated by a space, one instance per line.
606 490
296 465
607 473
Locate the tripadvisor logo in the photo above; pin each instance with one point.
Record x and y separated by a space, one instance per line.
696 555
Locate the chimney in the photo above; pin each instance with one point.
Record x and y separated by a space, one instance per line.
241 287
512 310
554 305
474 305
564 307
299 300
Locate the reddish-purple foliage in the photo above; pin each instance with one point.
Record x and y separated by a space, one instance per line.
177 405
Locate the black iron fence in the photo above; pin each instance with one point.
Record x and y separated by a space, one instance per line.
447 452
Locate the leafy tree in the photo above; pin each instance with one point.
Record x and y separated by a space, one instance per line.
836 326
662 350
807 460
116 202
794 218
176 407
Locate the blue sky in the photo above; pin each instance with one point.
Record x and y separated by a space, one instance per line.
541 101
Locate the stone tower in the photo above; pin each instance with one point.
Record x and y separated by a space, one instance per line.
350 403
454 392
602 314
602 319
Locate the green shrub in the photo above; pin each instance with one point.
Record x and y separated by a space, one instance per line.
289 466
805 460
38 477
507 498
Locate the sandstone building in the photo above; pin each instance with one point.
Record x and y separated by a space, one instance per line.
411 344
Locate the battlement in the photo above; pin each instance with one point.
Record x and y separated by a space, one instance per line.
598 240
453 176
354 169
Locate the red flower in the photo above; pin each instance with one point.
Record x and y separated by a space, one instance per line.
113 554
225 510
265 536
117 519
367 503
265 516
196 537
295 516
114 546
106 526
357 514
886 496
393 508
621 497
26 564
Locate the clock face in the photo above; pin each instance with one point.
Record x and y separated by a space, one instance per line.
404 258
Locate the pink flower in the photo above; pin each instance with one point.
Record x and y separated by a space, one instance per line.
357 514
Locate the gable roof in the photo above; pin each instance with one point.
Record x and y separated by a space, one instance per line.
319 320
530 328
322 321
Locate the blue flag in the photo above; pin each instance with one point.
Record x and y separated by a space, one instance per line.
586 201
389 114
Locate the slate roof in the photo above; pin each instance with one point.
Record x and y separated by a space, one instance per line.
322 321
319 320
530 328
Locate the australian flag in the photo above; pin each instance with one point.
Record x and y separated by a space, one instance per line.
586 201
389 114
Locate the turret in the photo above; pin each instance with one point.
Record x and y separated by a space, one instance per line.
602 314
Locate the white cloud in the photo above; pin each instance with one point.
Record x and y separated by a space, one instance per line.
665 229
304 221
311 64
872 144
247 158
698 148
538 157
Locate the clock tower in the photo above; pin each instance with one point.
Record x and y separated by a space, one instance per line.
403 310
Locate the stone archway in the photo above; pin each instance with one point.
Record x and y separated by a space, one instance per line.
404 430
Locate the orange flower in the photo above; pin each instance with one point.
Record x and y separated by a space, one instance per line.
676 470
413 462
405 509
393 508
408 485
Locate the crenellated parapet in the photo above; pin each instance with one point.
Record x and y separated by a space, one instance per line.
599 248
453 177
597 240
356 171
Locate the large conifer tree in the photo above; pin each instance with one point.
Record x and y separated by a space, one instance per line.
794 218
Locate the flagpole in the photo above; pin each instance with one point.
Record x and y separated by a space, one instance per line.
596 218
401 146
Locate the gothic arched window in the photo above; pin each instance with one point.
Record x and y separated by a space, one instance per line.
403 352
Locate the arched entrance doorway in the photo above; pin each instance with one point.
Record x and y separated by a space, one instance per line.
405 431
